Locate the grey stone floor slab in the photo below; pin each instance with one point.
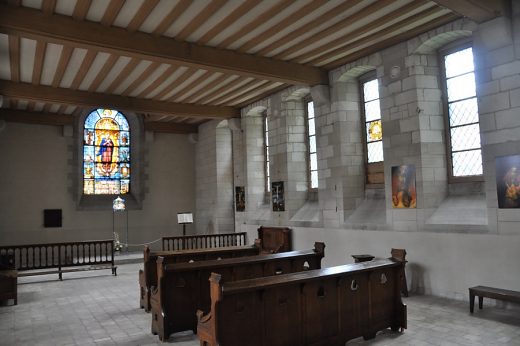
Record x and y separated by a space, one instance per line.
96 308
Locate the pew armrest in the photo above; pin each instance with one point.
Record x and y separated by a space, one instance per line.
201 318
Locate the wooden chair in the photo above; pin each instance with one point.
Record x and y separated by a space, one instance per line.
399 255
275 239
8 278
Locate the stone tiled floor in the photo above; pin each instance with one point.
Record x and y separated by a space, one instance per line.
95 308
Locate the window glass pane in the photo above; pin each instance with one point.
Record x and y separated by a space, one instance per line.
106 153
312 144
371 90
463 112
465 137
374 131
461 87
459 62
314 179
106 187
467 163
314 162
88 187
312 130
372 110
310 110
375 152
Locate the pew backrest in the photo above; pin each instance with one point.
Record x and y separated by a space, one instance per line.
184 287
148 275
328 307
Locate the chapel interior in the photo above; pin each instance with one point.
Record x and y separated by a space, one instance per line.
364 125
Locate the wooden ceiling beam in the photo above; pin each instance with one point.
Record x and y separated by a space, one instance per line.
65 30
169 127
371 31
27 117
87 99
478 10
359 53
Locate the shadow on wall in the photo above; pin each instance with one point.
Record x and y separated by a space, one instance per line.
416 278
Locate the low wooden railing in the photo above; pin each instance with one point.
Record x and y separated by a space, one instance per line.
203 241
36 258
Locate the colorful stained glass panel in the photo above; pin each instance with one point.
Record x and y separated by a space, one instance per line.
374 131
106 145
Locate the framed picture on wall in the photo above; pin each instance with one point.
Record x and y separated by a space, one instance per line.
404 194
240 198
508 181
278 196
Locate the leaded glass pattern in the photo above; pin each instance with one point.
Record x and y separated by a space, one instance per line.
464 128
373 124
266 152
106 153
311 143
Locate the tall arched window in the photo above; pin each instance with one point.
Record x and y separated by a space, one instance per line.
462 110
106 153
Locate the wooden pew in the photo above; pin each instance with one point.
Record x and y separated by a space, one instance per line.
8 278
148 275
319 307
184 287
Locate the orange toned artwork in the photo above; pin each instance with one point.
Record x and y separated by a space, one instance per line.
508 181
404 194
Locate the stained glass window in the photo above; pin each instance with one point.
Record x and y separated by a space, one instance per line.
106 153
311 143
464 129
266 153
373 125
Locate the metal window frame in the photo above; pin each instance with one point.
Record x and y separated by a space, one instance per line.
447 50
267 161
306 101
366 77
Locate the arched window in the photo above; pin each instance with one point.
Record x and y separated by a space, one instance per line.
106 153
462 111
311 145
372 129
266 155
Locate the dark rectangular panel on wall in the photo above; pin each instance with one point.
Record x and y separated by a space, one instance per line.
51 217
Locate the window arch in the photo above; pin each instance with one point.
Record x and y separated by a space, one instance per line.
106 153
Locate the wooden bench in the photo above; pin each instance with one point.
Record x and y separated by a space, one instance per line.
58 258
319 307
493 293
148 275
184 287
8 278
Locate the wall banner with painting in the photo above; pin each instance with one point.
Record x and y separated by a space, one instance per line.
278 196
404 194
508 181
240 198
